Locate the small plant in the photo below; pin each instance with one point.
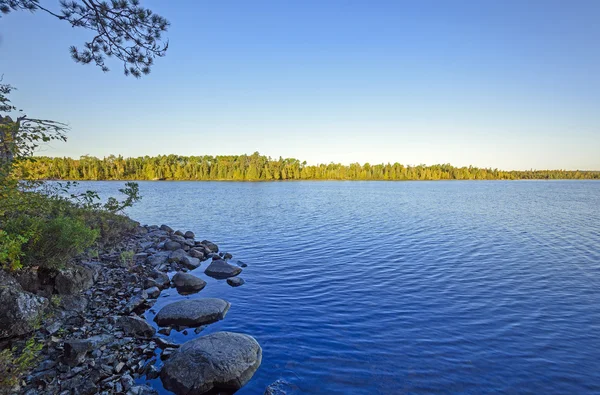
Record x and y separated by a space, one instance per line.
55 300
15 363
127 258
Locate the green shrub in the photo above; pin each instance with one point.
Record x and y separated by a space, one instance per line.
11 250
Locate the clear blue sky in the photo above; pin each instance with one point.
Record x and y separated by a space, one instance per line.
507 84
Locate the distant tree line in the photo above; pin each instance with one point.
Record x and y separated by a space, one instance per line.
257 167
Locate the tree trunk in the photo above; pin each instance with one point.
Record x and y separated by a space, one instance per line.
8 134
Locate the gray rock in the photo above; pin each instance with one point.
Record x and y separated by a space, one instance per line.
188 283
197 252
162 279
142 390
166 228
177 255
282 387
221 269
172 245
210 245
189 235
219 361
158 259
76 349
193 312
20 309
153 292
73 279
227 256
178 238
190 262
235 281
135 326
178 233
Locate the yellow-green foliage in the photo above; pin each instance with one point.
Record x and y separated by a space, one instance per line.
127 257
14 363
11 250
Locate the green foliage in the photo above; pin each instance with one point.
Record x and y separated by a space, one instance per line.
127 258
11 250
43 226
256 167
14 363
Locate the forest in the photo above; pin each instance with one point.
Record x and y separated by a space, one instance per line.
258 167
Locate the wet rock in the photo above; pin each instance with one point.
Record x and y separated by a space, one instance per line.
193 312
188 283
221 269
282 387
172 245
189 235
210 245
222 360
179 233
164 343
135 326
235 281
227 256
20 309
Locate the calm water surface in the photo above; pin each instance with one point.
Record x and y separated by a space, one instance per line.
404 287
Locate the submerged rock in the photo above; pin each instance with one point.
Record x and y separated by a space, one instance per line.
193 312
219 361
282 387
221 269
235 281
188 283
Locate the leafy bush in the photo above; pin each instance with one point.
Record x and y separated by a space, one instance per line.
46 227
14 363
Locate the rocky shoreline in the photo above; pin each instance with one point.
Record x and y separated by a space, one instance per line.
93 333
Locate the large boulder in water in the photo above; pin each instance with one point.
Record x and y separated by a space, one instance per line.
221 269
20 309
193 312
188 283
220 361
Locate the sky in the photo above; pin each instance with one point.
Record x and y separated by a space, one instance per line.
500 84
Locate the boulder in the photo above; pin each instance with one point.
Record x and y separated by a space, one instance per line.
178 238
172 245
193 312
219 361
221 269
177 255
197 253
73 279
188 283
158 259
210 245
235 281
189 235
161 279
135 326
190 262
20 309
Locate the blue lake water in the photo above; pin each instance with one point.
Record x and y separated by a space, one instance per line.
402 287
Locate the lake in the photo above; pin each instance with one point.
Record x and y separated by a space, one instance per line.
402 287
